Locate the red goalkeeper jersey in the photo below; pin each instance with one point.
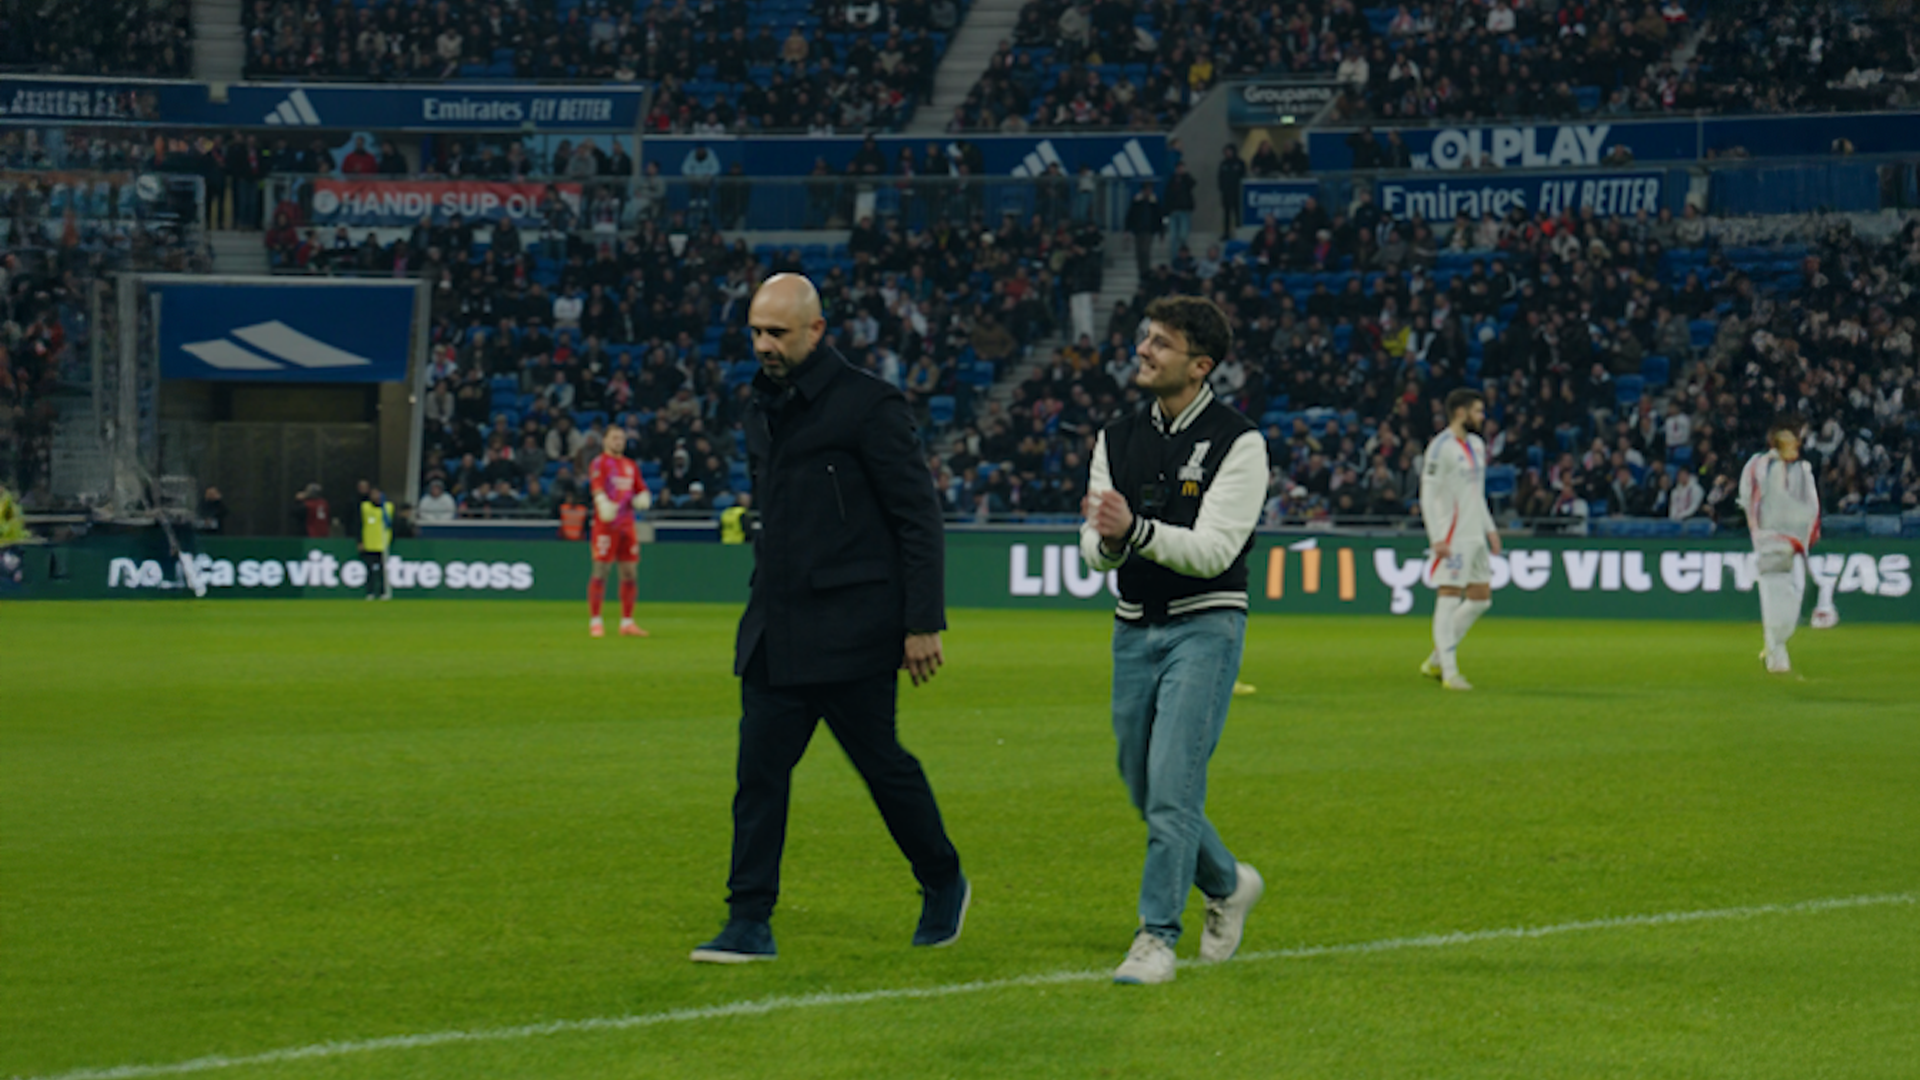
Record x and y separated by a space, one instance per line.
618 478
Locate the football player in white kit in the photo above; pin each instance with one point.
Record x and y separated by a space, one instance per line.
1453 503
1783 513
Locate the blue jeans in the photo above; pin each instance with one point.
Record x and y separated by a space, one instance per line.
1179 227
1171 687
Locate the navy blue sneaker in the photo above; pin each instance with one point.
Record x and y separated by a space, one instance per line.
742 941
942 913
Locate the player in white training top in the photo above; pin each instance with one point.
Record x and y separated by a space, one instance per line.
1463 541
1783 513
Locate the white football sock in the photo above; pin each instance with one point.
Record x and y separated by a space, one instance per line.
1444 610
1780 596
1463 620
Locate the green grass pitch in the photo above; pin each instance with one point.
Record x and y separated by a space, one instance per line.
235 828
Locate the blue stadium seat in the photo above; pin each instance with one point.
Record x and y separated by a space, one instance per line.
940 409
1501 480
1655 370
1629 389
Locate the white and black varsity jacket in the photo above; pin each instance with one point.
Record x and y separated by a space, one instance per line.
1196 486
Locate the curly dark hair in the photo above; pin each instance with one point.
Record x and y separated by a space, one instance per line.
1208 332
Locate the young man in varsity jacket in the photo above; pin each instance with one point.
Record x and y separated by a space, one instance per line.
1172 498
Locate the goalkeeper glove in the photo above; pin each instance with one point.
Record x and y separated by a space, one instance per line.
607 507
643 501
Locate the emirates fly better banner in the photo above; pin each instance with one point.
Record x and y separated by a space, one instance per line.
371 203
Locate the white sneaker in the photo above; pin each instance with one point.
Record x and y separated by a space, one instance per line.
1430 669
1456 682
1227 917
1150 961
1777 663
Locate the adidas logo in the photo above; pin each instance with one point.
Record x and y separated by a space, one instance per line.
296 111
1131 160
278 339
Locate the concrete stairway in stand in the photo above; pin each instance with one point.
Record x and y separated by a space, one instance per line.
219 45
987 24
238 252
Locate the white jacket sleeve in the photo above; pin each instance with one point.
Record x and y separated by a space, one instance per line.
1228 513
1437 498
1749 493
1813 489
1099 480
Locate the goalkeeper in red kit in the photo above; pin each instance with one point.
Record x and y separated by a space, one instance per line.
618 491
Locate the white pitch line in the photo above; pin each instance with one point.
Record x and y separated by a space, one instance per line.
764 1006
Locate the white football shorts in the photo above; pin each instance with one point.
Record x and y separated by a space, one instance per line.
1468 564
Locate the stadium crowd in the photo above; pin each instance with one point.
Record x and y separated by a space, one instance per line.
791 65
145 38
1139 63
33 343
1630 366
45 279
534 353
1800 56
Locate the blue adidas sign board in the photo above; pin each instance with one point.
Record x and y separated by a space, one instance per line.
355 333
1130 156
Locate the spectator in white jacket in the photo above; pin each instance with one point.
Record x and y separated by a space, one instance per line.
1688 497
436 506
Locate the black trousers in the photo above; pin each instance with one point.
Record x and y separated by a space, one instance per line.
776 724
376 563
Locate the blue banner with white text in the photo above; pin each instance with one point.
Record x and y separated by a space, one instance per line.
31 99
448 107
310 332
1525 146
1608 193
371 107
1281 200
1585 145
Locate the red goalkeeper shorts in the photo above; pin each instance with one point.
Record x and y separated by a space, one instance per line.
615 541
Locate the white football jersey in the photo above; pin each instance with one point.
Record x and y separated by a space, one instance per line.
1780 499
1453 490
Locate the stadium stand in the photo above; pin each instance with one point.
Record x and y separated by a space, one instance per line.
539 343
57 239
720 67
148 38
34 323
1807 57
1625 363
1139 63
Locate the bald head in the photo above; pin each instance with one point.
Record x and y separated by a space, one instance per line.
786 324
